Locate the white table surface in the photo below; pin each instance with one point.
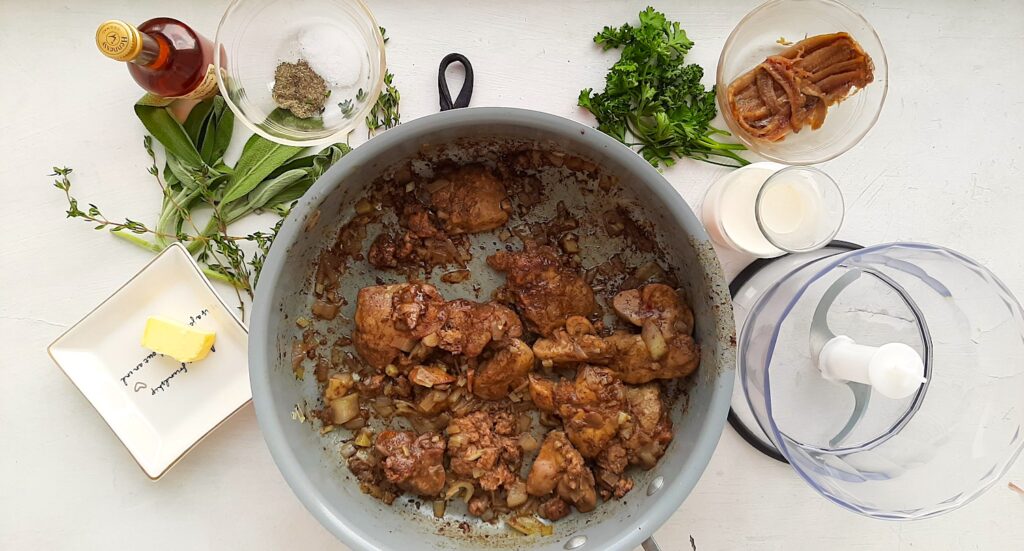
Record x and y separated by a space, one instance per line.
943 165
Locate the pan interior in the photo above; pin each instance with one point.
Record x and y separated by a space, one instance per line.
588 189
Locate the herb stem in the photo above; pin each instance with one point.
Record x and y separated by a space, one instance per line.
136 240
215 275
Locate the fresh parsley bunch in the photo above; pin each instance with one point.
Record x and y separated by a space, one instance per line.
653 100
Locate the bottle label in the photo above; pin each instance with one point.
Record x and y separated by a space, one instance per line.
206 88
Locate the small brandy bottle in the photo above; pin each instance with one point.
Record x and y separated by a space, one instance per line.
165 56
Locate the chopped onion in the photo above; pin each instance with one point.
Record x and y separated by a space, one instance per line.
516 494
363 206
528 442
464 487
355 424
430 376
431 340
405 408
383 406
344 409
570 243
439 507
643 274
363 439
348 450
324 310
430 402
456 276
423 424
337 355
455 394
298 355
654 340
337 386
530 525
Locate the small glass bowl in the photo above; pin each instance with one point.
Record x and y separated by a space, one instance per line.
758 36
820 220
340 40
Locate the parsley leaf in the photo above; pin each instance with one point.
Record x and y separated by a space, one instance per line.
653 101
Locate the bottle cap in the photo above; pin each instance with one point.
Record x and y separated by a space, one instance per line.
119 40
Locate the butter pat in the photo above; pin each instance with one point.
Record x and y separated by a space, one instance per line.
177 340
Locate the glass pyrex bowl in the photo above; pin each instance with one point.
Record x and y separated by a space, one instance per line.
896 459
757 36
338 38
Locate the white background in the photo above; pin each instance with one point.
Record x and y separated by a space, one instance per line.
943 165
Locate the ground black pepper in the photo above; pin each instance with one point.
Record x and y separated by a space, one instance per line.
299 89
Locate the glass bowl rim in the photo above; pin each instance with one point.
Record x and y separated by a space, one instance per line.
327 138
754 145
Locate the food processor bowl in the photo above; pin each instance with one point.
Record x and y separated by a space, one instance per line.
912 457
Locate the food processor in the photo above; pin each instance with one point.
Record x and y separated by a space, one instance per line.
891 377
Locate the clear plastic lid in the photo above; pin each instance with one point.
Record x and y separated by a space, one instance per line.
906 458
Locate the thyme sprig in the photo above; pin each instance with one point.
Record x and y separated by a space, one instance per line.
385 113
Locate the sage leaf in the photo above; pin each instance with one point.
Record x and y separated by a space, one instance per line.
170 180
317 165
196 119
206 150
285 118
224 130
289 194
180 172
162 126
259 158
269 188
326 157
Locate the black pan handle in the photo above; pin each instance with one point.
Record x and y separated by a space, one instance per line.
442 83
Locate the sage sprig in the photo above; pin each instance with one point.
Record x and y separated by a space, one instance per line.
267 177
259 158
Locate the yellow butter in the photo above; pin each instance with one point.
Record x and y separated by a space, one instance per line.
177 340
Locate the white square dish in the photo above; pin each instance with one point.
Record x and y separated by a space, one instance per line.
158 407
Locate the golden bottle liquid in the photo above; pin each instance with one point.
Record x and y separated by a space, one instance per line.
164 56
